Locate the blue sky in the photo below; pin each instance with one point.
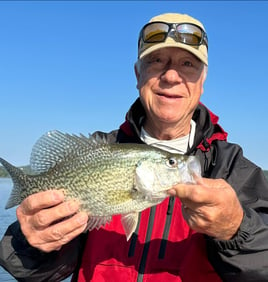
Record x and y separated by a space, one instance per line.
68 65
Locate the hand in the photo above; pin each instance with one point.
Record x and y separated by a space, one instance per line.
210 206
48 222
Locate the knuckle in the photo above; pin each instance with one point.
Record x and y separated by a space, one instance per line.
27 204
33 241
23 209
19 213
209 219
196 195
56 234
65 239
62 211
40 219
198 225
29 233
50 248
201 224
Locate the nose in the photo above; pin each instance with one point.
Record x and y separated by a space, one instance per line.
171 75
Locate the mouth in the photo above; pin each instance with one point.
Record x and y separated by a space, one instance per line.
169 96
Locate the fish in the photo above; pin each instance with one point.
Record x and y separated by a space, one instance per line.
106 178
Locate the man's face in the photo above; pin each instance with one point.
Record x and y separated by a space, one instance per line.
170 81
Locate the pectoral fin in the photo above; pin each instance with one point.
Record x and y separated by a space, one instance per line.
129 222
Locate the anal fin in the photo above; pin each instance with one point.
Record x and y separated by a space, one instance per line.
97 222
129 222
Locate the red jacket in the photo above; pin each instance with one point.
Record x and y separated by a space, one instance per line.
109 257
163 248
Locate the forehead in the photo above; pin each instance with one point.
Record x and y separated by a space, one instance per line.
171 52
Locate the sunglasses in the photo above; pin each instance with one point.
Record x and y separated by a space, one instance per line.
186 33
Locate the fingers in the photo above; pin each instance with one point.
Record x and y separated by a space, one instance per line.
205 191
197 219
190 194
41 200
45 217
56 235
48 222
210 206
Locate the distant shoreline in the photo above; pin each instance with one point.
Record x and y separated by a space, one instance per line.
4 174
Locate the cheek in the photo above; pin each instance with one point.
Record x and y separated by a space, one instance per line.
141 81
144 97
196 90
145 78
144 86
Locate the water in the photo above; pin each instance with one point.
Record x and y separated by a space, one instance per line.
6 218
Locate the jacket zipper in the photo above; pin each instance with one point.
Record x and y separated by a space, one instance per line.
164 240
146 245
149 235
134 239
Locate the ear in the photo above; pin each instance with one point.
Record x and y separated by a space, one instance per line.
137 73
205 71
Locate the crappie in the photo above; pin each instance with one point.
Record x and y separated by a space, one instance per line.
107 179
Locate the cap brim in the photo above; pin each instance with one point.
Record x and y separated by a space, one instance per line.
192 49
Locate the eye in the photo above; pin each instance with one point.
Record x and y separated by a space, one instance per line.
172 162
155 60
188 64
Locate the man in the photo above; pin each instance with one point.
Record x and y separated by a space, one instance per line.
213 230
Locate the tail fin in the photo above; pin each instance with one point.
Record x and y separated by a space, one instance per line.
18 178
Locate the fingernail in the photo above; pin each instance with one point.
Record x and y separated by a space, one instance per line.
58 196
172 192
83 218
73 206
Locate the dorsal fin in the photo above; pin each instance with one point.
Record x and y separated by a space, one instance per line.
55 146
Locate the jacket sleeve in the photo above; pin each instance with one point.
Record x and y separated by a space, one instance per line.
28 264
245 256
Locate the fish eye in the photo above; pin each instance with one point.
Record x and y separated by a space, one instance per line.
172 162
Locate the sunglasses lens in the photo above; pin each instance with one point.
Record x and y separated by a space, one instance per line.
186 33
189 34
155 32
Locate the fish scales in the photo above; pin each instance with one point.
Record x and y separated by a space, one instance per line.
110 179
106 179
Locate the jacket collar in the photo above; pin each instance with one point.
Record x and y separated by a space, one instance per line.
207 127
